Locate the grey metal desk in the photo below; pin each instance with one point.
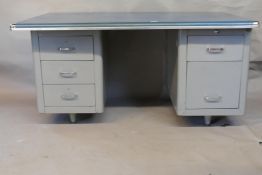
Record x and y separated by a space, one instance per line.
208 56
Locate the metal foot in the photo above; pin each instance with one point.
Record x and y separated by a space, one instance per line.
72 118
208 120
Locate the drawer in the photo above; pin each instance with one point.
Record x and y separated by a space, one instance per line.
215 48
66 47
67 72
213 85
69 95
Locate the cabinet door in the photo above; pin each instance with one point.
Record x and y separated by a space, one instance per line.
213 85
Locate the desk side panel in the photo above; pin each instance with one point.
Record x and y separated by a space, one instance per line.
37 70
178 79
99 72
172 64
244 76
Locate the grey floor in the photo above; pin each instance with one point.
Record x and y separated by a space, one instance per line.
127 139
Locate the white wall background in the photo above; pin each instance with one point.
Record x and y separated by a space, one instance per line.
15 47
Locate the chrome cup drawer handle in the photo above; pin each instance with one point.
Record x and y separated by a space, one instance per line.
66 49
69 96
212 99
68 74
215 50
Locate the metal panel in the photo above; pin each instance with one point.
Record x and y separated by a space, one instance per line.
215 48
213 85
68 72
69 95
66 47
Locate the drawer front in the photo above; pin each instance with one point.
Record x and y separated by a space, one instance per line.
213 85
215 48
66 47
69 95
67 72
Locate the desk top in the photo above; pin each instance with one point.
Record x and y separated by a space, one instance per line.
136 21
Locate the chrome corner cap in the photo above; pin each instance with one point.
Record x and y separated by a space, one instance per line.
12 27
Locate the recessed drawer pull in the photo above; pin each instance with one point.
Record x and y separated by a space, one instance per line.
214 99
68 74
214 50
69 96
66 49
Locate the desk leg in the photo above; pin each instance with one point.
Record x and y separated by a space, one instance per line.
72 118
208 120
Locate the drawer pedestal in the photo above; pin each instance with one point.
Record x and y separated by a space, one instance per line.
209 76
68 71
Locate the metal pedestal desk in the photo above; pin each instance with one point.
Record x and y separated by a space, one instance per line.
208 58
